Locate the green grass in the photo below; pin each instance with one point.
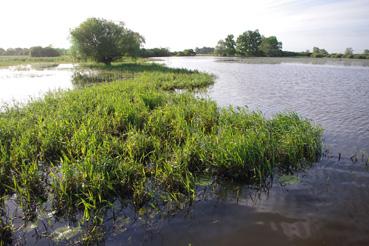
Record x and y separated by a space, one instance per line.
22 60
138 141
157 75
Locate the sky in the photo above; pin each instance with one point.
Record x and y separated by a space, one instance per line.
179 24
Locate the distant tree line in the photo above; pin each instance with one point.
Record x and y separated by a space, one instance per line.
36 51
39 51
252 43
348 53
249 43
155 52
186 52
163 52
14 52
204 51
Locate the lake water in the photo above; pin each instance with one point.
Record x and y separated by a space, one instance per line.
19 84
330 206
332 93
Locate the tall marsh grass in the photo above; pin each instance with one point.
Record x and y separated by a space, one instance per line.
138 141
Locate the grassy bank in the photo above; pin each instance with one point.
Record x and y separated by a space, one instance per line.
138 141
23 60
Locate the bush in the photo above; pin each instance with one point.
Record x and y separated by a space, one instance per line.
39 51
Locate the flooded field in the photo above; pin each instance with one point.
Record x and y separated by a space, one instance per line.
327 204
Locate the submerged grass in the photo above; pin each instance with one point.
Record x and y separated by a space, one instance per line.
157 75
138 141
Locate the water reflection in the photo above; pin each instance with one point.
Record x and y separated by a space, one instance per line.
329 207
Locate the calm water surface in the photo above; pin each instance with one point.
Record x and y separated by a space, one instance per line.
330 206
19 84
333 94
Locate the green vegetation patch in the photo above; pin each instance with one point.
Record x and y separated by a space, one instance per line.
289 180
36 61
157 76
138 141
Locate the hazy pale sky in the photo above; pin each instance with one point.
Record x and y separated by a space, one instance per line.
179 24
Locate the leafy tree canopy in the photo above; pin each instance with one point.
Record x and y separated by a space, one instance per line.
220 49
248 43
270 46
104 41
39 51
230 45
319 52
349 53
186 52
204 50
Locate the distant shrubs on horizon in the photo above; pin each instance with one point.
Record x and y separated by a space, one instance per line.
163 52
39 51
36 51
349 53
253 44
249 44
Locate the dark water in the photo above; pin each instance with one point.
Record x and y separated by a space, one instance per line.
330 206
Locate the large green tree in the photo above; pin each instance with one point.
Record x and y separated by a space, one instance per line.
230 45
220 49
226 47
349 53
104 41
248 43
319 52
270 46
